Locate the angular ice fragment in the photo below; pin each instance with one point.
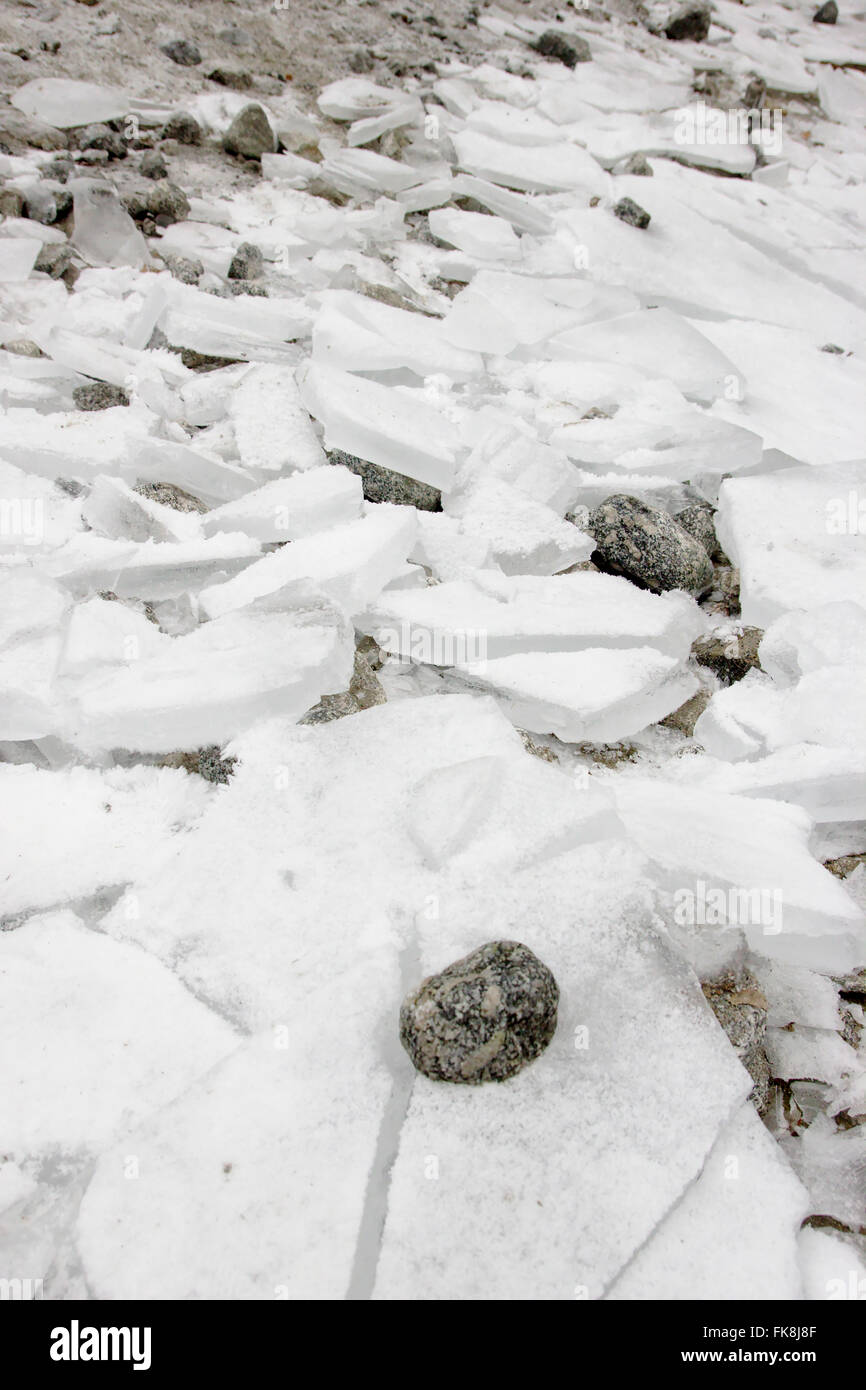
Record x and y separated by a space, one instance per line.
396 429
241 329
293 507
524 535
210 685
113 509
830 634
60 102
597 695
447 805
103 632
361 172
544 168
797 537
273 430
515 208
150 570
353 97
486 237
357 334
351 564
105 234
527 613
17 255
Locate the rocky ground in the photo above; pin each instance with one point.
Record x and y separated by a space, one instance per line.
431 521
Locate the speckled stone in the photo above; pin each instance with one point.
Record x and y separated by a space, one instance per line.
648 547
384 485
698 521
250 134
570 51
484 1018
99 395
627 210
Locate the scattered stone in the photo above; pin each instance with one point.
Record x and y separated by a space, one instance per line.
833 348
728 581
99 395
40 204
184 128
827 14
640 165
170 496
233 78
205 361
384 485
741 1009
236 287
570 51
236 38
686 717
185 268
698 521
182 52
11 202
247 262
364 692
730 657
691 21
19 129
23 347
167 203
59 168
152 165
845 864
55 259
101 137
484 1018
755 94
647 546
205 762
361 61
250 134
627 210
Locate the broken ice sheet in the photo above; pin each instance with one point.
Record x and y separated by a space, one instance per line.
105 234
61 102
524 536
350 564
831 1164
273 430
504 1157
124 1037
290 508
387 425
210 685
593 696
543 168
354 333
241 329
734 1233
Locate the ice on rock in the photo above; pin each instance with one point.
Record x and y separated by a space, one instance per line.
657 342
353 333
518 209
211 685
17 257
351 564
798 996
734 1234
94 849
501 616
485 237
60 102
196 470
105 234
598 695
797 538
524 536
273 430
394 428
290 508
502 448
101 632
500 310
791 908
359 173
809 1054
125 1036
539 168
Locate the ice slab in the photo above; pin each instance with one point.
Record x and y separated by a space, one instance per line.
796 537
790 907
351 564
60 102
830 1163
734 1234
478 234
546 168
525 536
125 1036
73 443
113 509
504 616
832 1266
210 685
353 333
105 234
273 430
352 98
17 256
291 508
395 428
598 695
241 329
359 173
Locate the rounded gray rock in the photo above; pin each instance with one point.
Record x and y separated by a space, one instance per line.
250 133
648 547
484 1018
